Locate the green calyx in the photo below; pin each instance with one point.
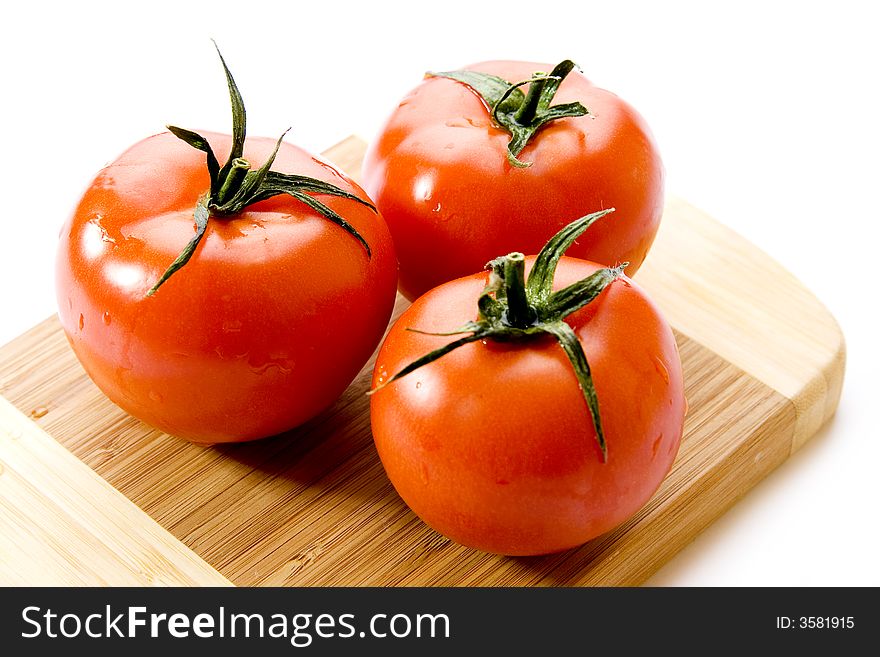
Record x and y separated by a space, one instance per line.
511 308
520 114
235 185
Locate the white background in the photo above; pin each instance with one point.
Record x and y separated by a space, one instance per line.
766 113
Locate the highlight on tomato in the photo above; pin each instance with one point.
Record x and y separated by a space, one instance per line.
526 416
224 303
498 157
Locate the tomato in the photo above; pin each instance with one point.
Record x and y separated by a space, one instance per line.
439 173
271 318
492 444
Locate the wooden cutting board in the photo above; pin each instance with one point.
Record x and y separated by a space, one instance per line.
763 363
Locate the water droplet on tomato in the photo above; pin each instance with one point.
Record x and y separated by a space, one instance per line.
424 473
96 220
465 122
449 146
261 369
105 179
278 363
436 208
423 187
656 446
82 321
418 384
232 326
106 318
155 396
661 369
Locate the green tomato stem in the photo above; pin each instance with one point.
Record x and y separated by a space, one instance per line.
234 186
525 115
234 178
520 313
509 308
521 115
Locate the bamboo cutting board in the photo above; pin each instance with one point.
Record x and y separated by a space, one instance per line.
763 364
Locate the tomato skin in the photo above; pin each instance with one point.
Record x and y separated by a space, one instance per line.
439 174
267 324
493 446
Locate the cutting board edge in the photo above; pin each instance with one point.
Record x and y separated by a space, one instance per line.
78 510
786 338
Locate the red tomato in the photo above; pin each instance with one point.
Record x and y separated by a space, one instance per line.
267 324
439 174
492 445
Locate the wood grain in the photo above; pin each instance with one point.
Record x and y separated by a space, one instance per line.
741 304
313 506
61 524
